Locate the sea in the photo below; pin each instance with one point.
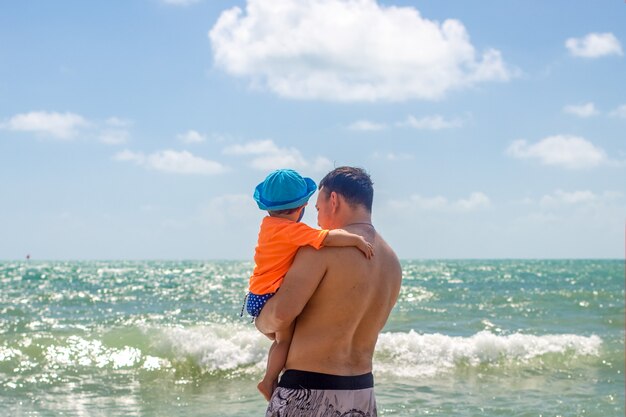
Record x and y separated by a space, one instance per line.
165 338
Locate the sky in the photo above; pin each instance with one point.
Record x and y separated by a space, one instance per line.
138 129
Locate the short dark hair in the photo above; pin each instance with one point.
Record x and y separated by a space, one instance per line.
354 184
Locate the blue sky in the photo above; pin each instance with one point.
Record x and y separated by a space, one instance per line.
138 129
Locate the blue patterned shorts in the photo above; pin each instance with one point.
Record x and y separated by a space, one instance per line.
255 303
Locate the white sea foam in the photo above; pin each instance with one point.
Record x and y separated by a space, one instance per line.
114 271
216 348
233 349
7 353
152 363
77 351
412 354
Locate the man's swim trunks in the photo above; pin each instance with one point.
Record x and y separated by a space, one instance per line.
310 394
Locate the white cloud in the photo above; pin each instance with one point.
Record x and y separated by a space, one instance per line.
182 162
67 126
594 45
436 122
321 164
115 131
268 156
475 201
392 156
366 126
620 112
580 199
58 125
560 197
114 136
583 110
230 208
422 203
253 148
118 122
564 151
290 158
315 50
128 155
191 136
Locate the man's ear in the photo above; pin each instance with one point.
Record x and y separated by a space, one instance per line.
334 201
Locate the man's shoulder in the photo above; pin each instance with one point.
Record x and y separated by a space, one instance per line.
308 254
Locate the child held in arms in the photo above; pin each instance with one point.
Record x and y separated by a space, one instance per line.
284 194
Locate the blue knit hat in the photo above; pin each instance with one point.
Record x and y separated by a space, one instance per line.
284 189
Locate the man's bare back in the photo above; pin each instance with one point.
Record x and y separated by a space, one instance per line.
336 332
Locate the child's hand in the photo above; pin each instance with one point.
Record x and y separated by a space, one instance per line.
366 247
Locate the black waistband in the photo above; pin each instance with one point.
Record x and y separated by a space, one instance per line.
312 380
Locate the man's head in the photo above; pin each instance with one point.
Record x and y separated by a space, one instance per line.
350 185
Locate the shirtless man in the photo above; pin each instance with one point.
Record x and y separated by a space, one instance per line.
341 301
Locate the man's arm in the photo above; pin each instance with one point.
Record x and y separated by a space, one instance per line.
305 274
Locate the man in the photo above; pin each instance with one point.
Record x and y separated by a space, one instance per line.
340 302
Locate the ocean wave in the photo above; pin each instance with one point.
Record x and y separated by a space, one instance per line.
218 350
412 354
214 349
231 351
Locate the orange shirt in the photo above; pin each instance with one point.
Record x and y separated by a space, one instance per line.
279 240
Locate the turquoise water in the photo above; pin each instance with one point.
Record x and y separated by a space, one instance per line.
467 338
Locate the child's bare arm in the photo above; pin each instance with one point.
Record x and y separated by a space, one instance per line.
340 237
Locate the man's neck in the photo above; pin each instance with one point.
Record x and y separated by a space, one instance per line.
360 217
358 222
